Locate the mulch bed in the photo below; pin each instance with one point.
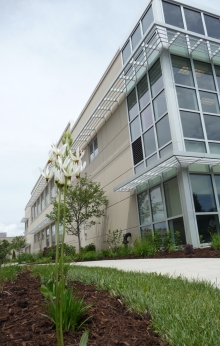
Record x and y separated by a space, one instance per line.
22 323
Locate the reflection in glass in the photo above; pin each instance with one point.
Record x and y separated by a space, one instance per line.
195 167
204 75
209 102
132 105
166 150
163 131
198 147
140 168
146 118
217 183
157 207
172 14
172 198
160 105
162 228
151 160
135 38
212 26
145 230
207 224
177 225
156 80
187 98
126 52
194 21
212 124
47 237
203 195
149 142
182 71
135 129
192 126
147 19
143 92
144 207
217 72
214 148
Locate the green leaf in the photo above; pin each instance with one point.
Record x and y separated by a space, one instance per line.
84 338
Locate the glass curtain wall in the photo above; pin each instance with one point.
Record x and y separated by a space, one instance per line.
198 98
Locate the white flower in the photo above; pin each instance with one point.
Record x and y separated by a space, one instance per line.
77 156
80 168
58 151
47 173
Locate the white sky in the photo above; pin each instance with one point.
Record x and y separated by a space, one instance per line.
53 53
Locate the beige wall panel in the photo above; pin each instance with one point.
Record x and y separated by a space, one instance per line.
123 114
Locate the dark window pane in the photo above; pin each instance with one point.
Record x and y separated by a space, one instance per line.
187 98
147 19
144 207
182 71
157 207
198 147
160 105
145 230
192 126
149 142
203 196
209 102
126 52
212 26
204 75
137 151
217 72
163 131
172 197
194 21
212 125
207 224
217 183
177 225
214 148
143 92
156 80
172 14
135 129
146 118
166 150
132 105
135 38
151 159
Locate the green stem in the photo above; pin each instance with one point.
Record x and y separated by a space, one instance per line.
57 270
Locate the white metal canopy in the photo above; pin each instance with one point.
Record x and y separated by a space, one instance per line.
41 225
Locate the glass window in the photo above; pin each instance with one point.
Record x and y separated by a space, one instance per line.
95 147
163 131
212 125
146 118
53 235
217 183
91 153
177 225
209 102
160 105
147 19
162 228
214 148
172 14
38 206
157 207
47 237
149 142
35 209
198 147
52 193
182 71
217 72
203 195
204 75
42 201
172 198
135 129
207 224
195 167
156 80
43 234
47 195
187 98
166 150
143 92
151 160
144 207
135 38
192 126
145 230
168 174
212 26
140 168
132 105
126 52
194 21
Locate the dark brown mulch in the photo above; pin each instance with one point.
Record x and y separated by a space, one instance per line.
22 323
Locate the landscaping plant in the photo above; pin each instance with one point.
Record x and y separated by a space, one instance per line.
65 166
215 241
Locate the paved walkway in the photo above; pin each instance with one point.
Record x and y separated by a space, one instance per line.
191 268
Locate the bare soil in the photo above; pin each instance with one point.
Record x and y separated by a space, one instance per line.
22 322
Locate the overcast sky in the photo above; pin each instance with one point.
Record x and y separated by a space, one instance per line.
53 54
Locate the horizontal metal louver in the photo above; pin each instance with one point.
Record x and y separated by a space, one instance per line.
142 87
137 151
131 99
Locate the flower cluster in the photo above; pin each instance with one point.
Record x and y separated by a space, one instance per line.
63 164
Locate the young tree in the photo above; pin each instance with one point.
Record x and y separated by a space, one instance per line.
5 248
84 201
18 243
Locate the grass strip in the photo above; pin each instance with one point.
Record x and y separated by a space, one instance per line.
9 272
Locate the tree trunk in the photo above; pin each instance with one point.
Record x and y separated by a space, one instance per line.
79 240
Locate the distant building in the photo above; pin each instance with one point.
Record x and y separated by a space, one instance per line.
151 132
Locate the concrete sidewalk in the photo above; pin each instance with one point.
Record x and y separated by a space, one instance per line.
191 268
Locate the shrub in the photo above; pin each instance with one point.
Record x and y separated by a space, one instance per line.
91 256
69 250
25 257
215 241
168 244
188 249
89 247
124 250
145 246
44 260
114 239
50 252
